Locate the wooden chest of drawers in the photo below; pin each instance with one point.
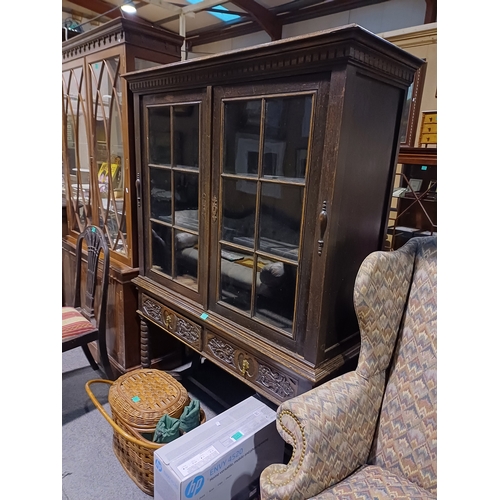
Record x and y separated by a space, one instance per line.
428 130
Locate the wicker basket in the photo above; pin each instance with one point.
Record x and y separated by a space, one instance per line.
133 422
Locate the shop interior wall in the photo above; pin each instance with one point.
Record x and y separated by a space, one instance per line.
421 41
378 18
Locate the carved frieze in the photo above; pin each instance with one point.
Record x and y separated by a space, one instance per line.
277 383
152 309
279 61
172 322
106 39
188 331
221 350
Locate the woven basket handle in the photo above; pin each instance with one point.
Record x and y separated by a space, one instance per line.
113 424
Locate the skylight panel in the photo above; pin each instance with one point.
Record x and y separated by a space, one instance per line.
220 15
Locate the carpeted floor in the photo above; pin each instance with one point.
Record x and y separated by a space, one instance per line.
90 469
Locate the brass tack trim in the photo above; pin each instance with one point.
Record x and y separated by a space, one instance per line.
303 452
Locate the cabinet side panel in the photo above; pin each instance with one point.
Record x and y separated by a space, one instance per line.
365 168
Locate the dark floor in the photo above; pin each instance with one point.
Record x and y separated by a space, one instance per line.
90 469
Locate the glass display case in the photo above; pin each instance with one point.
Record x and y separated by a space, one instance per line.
264 178
98 160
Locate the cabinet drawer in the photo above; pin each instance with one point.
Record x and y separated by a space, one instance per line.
428 139
430 118
268 379
172 321
429 128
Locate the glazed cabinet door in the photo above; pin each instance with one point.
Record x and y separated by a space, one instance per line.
266 149
76 144
109 152
174 192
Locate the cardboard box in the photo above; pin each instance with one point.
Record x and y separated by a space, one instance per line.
221 459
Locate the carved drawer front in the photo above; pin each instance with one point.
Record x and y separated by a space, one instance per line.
268 380
172 322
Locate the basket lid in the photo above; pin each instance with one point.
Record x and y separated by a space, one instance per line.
141 397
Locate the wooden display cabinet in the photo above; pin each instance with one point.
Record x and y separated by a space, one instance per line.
414 201
264 177
98 161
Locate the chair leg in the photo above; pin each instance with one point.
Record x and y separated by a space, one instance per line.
89 357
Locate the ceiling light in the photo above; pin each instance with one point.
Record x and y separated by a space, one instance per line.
129 8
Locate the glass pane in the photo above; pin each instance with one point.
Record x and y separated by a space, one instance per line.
161 194
108 149
275 299
280 219
186 200
159 135
406 113
186 259
236 270
77 147
286 136
186 135
238 211
70 136
241 137
161 248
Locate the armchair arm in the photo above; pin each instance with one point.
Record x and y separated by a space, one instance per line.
331 429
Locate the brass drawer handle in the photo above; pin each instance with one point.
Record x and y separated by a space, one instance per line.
244 367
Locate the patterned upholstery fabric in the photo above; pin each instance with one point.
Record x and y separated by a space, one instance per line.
406 439
332 427
375 482
74 324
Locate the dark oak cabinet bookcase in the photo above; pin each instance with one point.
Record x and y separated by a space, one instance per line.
264 176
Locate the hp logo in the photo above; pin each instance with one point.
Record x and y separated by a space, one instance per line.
158 464
194 486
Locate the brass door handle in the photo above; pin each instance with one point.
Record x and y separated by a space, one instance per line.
138 190
322 219
215 209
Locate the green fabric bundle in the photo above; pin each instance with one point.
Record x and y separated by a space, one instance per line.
167 429
190 417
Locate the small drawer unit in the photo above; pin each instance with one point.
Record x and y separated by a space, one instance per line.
428 130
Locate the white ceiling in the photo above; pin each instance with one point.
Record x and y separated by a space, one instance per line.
155 11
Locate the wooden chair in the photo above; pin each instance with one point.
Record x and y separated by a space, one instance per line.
80 323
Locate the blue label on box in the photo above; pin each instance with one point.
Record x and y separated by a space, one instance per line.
237 436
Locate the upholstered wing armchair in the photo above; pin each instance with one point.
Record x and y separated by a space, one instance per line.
372 433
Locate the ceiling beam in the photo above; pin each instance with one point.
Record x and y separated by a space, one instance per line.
110 10
293 12
264 17
430 11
